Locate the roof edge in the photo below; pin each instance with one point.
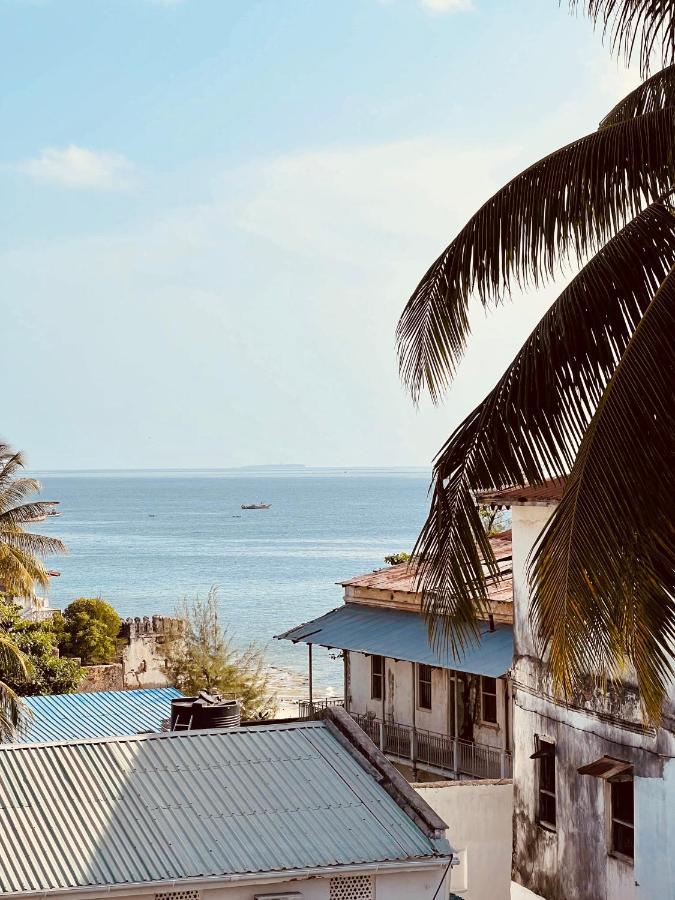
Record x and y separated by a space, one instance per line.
412 804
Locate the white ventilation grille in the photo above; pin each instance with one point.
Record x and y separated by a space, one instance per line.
352 887
179 895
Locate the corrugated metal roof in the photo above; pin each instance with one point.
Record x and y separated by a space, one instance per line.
399 634
550 491
187 805
64 717
403 576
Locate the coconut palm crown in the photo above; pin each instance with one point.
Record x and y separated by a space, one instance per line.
21 566
589 396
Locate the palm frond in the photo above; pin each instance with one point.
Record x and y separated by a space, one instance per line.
27 542
14 713
10 463
658 92
531 424
641 28
558 210
26 513
19 572
603 572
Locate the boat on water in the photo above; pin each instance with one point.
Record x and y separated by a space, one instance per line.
256 505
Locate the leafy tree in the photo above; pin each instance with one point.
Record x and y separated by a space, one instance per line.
494 521
201 657
47 672
394 559
90 630
20 565
590 394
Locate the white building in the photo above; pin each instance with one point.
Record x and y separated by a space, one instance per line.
299 811
431 713
594 788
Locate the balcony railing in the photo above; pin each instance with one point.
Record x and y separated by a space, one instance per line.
438 751
311 709
416 746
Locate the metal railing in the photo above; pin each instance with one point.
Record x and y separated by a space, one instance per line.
311 709
439 751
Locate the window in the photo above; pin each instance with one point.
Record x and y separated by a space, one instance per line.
622 816
376 677
424 686
488 699
545 753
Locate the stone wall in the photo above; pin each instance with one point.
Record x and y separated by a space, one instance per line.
143 664
102 678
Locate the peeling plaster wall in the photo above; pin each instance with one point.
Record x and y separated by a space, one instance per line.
574 861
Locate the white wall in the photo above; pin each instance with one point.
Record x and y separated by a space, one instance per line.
479 819
655 835
399 697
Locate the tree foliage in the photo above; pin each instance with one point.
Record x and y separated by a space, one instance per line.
90 629
21 566
202 656
589 395
395 559
46 672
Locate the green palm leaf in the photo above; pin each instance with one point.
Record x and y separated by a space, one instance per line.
559 209
531 424
603 571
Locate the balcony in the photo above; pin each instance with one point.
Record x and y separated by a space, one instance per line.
447 756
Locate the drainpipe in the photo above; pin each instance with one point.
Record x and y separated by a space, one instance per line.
413 735
455 763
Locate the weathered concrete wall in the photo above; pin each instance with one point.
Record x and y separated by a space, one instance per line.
575 859
421 884
478 816
102 678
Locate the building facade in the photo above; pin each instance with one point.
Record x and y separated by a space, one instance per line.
594 788
431 713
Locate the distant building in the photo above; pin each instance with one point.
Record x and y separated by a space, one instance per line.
68 717
295 810
594 788
427 710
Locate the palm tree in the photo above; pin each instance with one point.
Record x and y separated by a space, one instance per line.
20 570
20 565
590 395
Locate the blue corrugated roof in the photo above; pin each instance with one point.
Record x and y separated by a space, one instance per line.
65 717
185 805
399 634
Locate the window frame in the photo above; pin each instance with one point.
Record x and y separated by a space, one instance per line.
422 686
613 819
376 678
483 694
544 759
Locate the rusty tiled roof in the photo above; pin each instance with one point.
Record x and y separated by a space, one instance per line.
403 576
549 492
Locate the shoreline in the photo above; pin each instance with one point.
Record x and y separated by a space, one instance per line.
289 687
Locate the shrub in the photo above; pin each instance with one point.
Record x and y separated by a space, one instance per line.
90 630
47 672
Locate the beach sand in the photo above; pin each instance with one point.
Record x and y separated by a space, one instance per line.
289 687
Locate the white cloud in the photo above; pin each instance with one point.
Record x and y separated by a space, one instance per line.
444 6
78 167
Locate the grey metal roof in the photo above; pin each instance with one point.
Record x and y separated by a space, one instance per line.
183 805
399 634
63 717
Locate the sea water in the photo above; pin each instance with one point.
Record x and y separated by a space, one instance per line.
145 540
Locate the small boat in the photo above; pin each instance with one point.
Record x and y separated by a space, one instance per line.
256 505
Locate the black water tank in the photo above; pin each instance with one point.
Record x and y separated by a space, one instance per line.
219 714
204 711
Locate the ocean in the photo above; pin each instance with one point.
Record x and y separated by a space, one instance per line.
145 540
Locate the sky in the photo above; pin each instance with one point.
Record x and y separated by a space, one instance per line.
215 211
